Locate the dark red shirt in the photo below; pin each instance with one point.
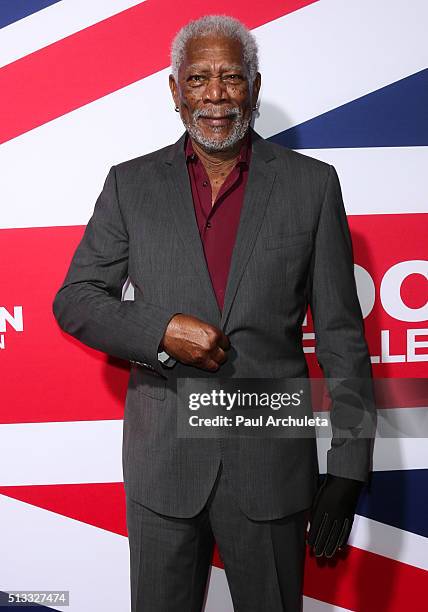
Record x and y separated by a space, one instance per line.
218 223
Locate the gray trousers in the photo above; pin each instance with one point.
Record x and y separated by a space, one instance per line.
170 557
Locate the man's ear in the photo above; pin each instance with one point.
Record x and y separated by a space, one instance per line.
256 88
174 90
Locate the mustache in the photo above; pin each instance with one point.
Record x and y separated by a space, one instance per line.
215 114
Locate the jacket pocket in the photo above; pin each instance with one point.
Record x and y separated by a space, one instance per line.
278 241
150 383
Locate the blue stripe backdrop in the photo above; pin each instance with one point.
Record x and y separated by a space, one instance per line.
398 498
14 10
393 116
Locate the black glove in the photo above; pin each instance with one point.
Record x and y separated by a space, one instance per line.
332 514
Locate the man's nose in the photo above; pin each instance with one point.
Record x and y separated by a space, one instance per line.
215 90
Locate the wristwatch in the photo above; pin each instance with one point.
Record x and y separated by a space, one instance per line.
166 359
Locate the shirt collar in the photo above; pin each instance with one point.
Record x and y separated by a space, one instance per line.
244 154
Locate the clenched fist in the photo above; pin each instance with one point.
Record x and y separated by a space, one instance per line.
194 342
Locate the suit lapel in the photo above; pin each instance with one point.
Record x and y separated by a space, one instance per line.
180 201
257 192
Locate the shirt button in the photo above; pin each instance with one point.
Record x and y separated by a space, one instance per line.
205 183
208 224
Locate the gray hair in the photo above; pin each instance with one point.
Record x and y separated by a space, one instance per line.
216 24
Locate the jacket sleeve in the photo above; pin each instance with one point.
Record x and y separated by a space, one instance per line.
341 348
88 305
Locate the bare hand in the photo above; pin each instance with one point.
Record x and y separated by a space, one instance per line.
194 342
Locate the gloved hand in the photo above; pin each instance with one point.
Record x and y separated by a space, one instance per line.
332 514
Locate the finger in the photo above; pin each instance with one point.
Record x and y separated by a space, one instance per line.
219 355
314 529
210 365
316 520
322 534
346 530
223 341
321 538
333 540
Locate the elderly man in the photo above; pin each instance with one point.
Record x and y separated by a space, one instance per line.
226 238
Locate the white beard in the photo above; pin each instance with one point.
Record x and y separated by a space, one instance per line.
239 129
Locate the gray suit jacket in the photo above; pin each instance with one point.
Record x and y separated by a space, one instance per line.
293 247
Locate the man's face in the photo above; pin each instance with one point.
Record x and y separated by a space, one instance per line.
213 92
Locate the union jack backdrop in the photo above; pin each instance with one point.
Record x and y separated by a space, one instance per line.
83 86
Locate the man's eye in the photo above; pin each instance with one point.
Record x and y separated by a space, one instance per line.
234 77
195 77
